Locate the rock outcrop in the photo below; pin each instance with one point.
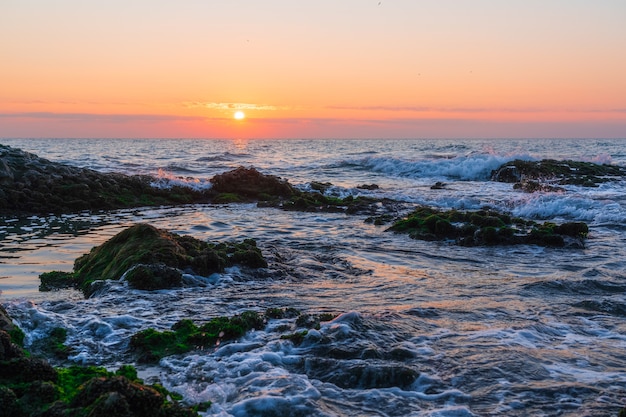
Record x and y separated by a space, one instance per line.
488 227
31 387
543 175
152 259
33 185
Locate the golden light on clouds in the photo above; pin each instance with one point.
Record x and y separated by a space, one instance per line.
314 69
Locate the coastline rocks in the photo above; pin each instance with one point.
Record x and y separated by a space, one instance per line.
34 185
31 387
6 324
369 187
488 227
157 257
530 186
586 174
151 345
250 184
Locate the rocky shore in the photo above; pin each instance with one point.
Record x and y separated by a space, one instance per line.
33 185
149 258
548 174
31 387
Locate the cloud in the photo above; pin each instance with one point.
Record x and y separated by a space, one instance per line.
90 117
233 106
426 109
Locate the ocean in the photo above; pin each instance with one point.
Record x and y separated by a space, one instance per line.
498 330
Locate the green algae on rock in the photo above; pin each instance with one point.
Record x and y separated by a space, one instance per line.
487 227
151 345
184 336
30 386
152 259
31 184
247 184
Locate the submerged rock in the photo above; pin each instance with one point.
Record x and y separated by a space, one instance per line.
358 374
151 345
157 257
488 227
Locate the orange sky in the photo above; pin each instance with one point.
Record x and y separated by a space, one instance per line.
325 68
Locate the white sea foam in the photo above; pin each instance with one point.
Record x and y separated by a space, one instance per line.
487 341
475 166
166 180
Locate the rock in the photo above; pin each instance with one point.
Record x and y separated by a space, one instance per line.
322 187
573 229
160 257
33 185
487 227
586 174
154 277
8 349
530 186
32 387
6 324
152 345
118 394
357 374
506 173
368 187
250 184
438 186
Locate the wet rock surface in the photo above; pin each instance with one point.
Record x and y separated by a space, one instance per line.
30 386
488 227
154 259
249 184
553 172
33 185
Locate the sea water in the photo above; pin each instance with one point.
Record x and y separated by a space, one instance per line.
514 330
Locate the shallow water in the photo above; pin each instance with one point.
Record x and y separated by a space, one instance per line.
518 330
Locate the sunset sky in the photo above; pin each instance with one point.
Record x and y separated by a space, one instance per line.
313 69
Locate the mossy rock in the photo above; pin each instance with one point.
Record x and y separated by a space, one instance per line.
296 338
249 184
158 257
30 386
56 280
53 344
151 345
154 277
227 198
531 174
486 227
14 332
184 336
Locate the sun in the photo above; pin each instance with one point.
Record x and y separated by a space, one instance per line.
239 115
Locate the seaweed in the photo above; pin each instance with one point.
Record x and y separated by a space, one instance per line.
158 257
486 227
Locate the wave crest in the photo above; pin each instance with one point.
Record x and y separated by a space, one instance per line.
472 167
166 180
